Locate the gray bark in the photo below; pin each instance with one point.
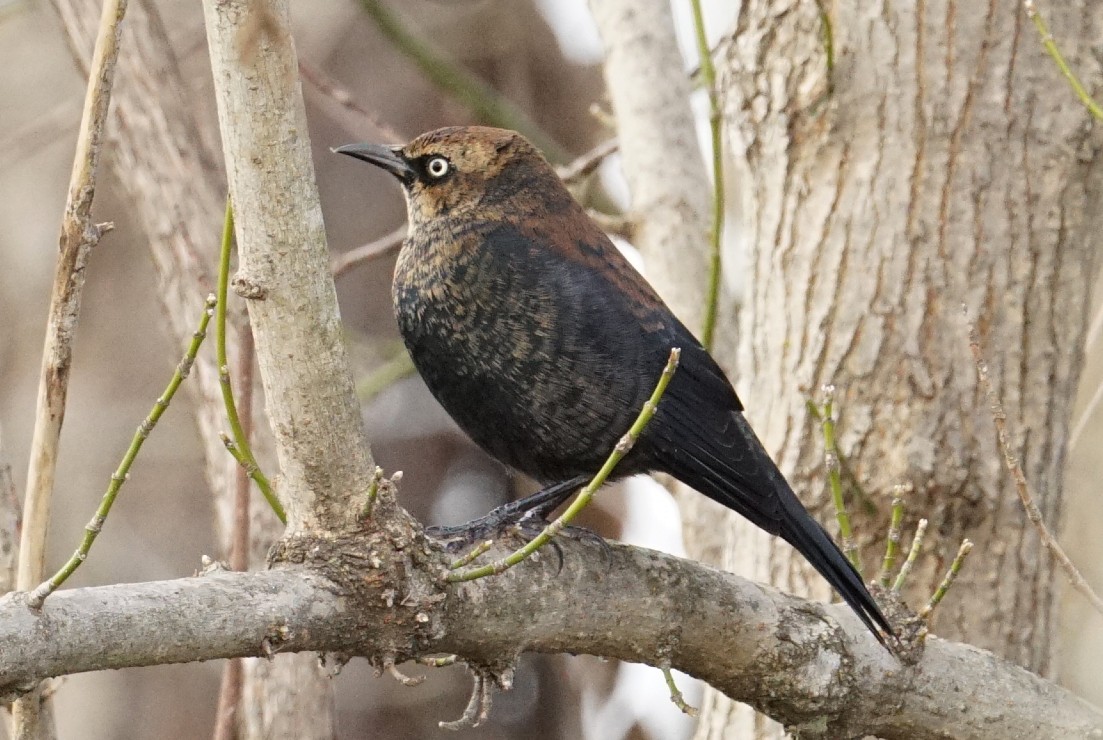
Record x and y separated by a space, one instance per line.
284 265
809 665
662 161
948 164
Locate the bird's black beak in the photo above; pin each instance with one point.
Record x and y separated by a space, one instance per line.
388 157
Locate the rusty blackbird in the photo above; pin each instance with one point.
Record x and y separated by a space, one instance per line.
542 342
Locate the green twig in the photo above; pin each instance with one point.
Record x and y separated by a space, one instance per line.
708 77
913 553
892 546
828 33
396 368
122 473
1055 53
857 493
488 105
619 451
241 450
441 662
951 574
373 491
470 557
676 693
831 460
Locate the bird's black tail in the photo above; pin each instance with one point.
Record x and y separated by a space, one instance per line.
725 461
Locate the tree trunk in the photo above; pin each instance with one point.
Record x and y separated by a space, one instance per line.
943 162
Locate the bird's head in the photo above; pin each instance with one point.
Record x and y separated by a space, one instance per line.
451 171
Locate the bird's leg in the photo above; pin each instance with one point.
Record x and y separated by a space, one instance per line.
526 515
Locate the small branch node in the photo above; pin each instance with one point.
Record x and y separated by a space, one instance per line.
675 693
948 580
402 678
913 554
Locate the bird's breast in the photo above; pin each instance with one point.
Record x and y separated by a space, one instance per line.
510 357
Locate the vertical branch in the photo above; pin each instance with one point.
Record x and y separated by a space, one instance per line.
229 694
644 72
716 231
284 266
10 522
78 236
31 716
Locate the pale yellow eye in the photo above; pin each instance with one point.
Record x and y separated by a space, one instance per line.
438 167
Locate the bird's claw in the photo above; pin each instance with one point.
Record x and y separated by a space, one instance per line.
496 525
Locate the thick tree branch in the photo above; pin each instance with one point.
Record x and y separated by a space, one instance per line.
810 666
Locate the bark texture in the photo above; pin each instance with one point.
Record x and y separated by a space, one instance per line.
943 162
284 268
381 595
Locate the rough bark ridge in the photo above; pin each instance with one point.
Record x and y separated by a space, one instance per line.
947 163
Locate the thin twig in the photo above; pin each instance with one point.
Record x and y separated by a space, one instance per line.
619 451
11 519
583 166
241 442
399 366
1055 53
708 77
78 236
676 693
239 543
1032 511
122 472
828 33
892 545
384 246
858 493
470 557
948 580
1085 416
913 554
230 688
486 103
1094 329
373 489
229 696
831 461
334 91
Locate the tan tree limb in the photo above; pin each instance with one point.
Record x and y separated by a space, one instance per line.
78 236
11 519
284 266
811 666
584 165
662 161
229 691
31 717
337 95
384 246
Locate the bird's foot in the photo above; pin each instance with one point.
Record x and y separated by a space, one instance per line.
502 523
